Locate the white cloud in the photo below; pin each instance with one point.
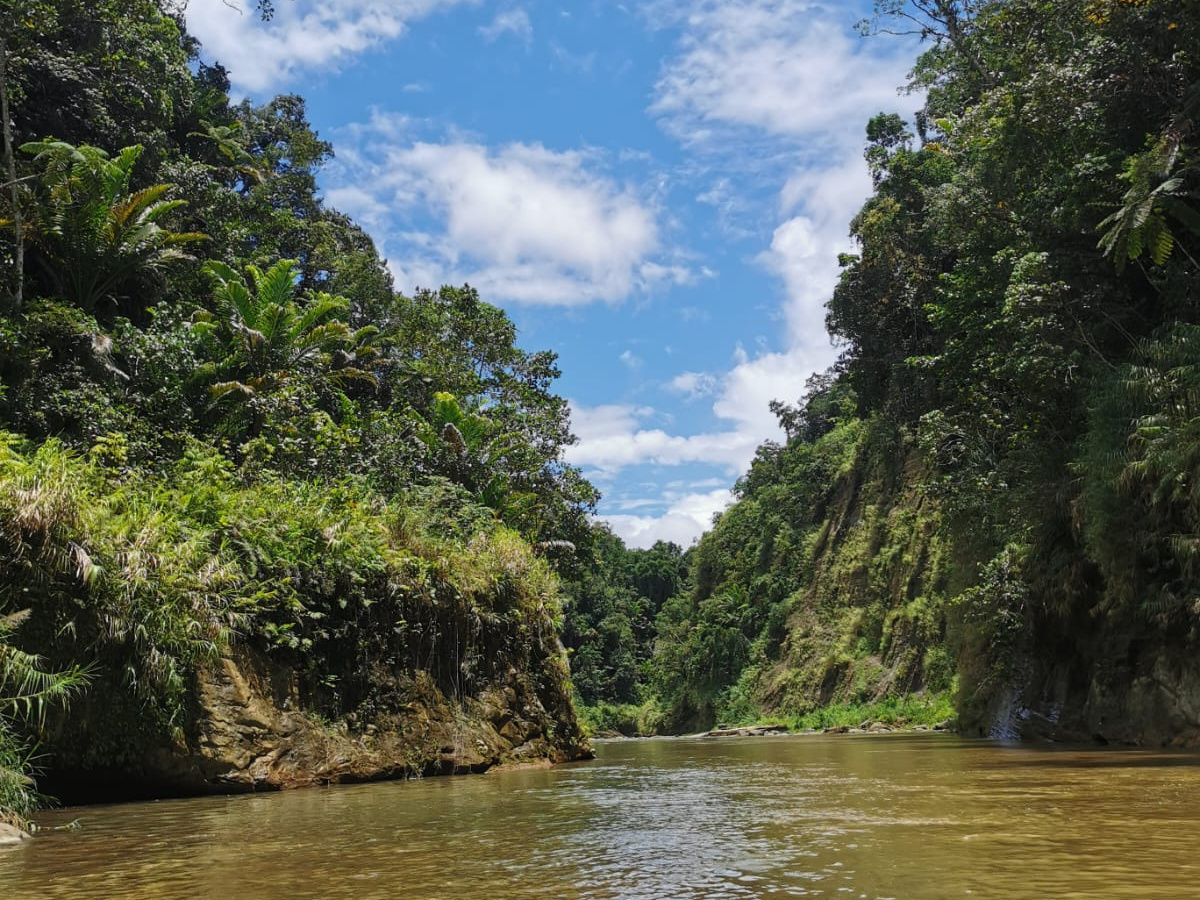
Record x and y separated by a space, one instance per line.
368 210
804 255
791 74
589 423
514 21
630 360
693 385
830 193
304 34
804 248
784 67
762 89
653 273
615 437
625 443
748 389
521 222
581 63
678 489
682 522
627 505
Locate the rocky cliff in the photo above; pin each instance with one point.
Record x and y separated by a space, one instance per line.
251 728
872 620
903 599
1133 685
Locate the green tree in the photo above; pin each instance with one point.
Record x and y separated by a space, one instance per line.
266 340
451 341
17 285
94 241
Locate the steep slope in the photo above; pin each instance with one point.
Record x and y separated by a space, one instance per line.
1000 479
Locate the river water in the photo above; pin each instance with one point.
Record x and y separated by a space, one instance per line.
910 817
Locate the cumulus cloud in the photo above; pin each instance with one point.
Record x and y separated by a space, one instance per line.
522 222
304 34
749 387
590 423
693 385
784 67
766 92
804 248
615 437
683 521
654 273
804 256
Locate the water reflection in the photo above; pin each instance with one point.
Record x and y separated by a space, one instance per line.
907 817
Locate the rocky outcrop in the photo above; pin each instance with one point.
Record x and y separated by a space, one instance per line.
870 623
248 740
252 731
1123 686
899 725
888 611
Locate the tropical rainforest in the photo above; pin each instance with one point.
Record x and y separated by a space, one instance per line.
221 426
988 508
225 435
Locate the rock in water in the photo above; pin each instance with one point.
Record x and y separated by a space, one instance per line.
11 835
747 731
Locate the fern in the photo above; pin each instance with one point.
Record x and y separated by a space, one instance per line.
1154 195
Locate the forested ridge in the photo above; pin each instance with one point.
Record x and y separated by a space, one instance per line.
228 445
989 506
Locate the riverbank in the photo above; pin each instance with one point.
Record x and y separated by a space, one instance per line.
913 712
252 732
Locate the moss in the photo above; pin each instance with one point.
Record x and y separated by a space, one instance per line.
870 624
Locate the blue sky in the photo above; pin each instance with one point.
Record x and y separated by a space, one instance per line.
656 191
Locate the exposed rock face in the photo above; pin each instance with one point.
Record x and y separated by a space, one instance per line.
877 619
251 732
250 740
868 624
1116 687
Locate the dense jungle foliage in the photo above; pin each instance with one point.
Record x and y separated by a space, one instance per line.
1005 460
219 420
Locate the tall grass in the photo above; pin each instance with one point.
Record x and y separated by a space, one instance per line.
908 710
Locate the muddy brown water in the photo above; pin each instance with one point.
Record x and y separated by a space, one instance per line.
910 817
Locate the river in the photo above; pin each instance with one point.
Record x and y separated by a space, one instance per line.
910 817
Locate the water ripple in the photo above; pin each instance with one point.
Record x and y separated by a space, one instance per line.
872 818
